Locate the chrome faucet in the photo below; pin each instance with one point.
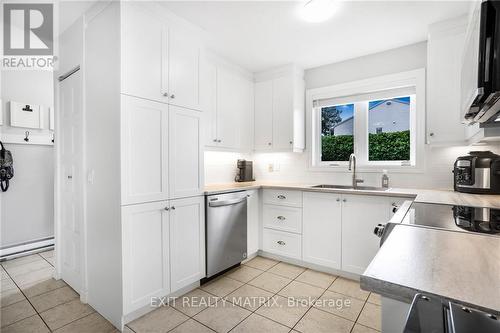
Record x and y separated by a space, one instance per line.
352 166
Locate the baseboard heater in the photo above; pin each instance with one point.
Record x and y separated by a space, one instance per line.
18 250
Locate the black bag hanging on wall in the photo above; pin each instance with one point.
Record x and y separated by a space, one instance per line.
6 168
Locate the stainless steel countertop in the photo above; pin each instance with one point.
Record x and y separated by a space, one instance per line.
458 266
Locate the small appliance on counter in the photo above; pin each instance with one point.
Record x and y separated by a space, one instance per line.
245 171
478 172
433 314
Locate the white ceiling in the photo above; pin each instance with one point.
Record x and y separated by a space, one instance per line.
259 35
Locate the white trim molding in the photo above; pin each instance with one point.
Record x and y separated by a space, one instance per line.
414 79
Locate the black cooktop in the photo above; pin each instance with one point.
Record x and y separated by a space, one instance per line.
456 218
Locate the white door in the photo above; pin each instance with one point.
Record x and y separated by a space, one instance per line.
208 97
72 183
144 53
228 110
360 215
283 113
145 244
185 152
187 241
263 115
144 132
322 229
184 70
253 214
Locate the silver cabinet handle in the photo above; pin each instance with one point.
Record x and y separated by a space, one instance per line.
172 96
167 208
269 143
291 142
281 197
70 177
219 141
165 94
281 218
173 207
281 243
214 140
338 199
344 200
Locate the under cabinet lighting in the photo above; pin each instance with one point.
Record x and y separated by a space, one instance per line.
316 11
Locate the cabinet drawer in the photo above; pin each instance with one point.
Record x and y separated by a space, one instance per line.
283 218
283 197
282 243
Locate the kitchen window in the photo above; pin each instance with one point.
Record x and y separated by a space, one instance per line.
380 120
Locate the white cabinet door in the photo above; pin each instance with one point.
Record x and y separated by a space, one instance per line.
144 151
187 241
185 153
444 112
145 244
263 115
228 110
360 215
253 213
322 229
208 97
144 54
245 95
283 113
184 70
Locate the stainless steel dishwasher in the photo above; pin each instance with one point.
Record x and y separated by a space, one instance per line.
226 230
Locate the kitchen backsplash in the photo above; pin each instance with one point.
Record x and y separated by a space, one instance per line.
220 167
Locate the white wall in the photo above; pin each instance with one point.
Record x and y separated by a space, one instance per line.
220 167
27 208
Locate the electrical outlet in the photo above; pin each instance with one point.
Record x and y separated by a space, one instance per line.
270 167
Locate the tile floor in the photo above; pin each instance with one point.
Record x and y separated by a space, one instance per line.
261 295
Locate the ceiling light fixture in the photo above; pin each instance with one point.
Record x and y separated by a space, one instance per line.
316 11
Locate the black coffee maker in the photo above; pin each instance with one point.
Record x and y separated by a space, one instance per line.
245 171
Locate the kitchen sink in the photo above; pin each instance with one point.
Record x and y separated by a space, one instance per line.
350 187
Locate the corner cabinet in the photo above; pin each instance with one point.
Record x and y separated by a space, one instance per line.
279 110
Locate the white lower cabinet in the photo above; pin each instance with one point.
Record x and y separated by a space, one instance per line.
360 215
146 258
322 229
163 249
253 217
187 241
282 243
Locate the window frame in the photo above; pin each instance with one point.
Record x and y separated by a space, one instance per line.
414 78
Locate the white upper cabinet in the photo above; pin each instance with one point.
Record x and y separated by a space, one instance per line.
144 53
227 100
279 110
322 229
185 152
183 70
444 113
187 241
144 150
264 115
161 60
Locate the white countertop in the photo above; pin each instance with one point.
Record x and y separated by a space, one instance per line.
459 266
419 195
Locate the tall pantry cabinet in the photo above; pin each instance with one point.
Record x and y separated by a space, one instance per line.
144 202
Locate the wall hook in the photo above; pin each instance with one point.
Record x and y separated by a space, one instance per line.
27 134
